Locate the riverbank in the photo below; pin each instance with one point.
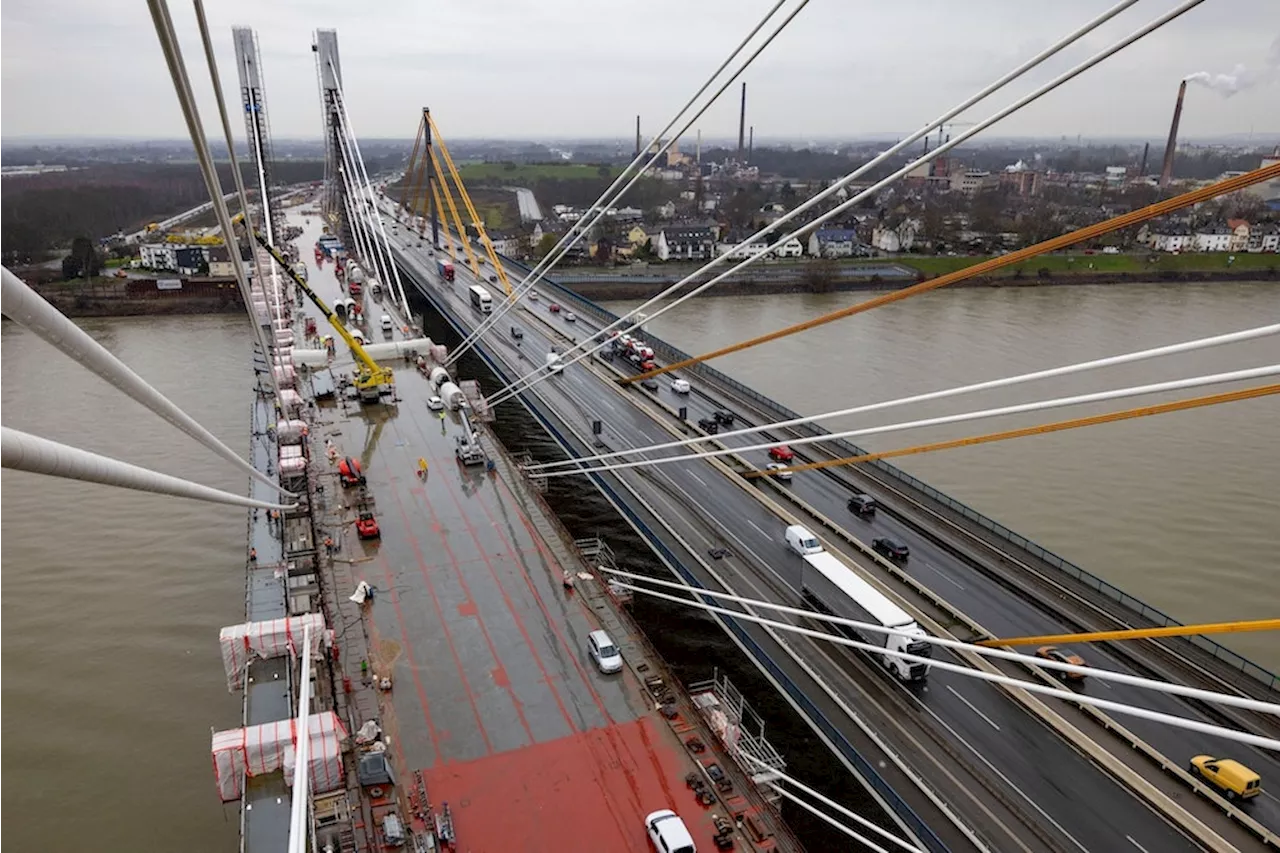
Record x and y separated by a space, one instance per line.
138 297
606 289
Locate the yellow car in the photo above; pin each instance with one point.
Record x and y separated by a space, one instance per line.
1228 775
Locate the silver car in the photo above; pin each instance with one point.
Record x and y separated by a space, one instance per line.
602 650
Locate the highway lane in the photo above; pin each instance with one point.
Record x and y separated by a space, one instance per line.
999 732
975 593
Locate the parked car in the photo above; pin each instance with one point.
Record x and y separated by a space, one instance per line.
1062 656
723 416
708 426
680 386
435 404
604 652
668 833
862 505
777 472
889 547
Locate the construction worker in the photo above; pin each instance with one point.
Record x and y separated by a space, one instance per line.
253 555
422 467
328 544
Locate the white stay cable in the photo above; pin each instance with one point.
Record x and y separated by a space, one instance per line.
776 775
22 451
299 811
353 196
821 815
535 376
268 223
985 651
969 672
374 212
1079 367
580 230
1040 405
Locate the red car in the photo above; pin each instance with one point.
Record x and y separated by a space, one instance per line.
367 526
555 309
781 453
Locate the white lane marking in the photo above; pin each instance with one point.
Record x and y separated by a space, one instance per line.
758 527
699 479
946 577
973 708
1136 844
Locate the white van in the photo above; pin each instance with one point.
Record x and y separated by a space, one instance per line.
668 833
800 540
388 325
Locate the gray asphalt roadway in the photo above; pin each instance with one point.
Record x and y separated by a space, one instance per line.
1084 807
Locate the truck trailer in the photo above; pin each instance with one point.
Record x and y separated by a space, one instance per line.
833 588
445 269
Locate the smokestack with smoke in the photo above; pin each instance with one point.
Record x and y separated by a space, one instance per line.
1241 78
1167 171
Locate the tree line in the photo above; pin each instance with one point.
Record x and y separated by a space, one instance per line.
43 214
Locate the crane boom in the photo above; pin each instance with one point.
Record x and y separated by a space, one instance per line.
374 375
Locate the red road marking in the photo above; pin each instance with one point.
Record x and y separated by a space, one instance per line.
408 651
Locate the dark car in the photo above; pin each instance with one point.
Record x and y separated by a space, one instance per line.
650 383
863 505
889 547
553 308
723 416
708 426
1062 656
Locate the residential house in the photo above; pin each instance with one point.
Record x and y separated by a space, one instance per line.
729 246
1172 241
666 211
191 260
686 242
793 248
897 239
1239 234
637 236
832 242
1264 238
159 256
627 214
1215 238
220 265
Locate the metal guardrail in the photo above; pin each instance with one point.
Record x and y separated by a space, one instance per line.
864 767
1155 615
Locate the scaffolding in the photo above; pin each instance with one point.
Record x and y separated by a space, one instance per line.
740 729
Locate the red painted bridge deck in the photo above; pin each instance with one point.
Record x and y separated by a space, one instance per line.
495 699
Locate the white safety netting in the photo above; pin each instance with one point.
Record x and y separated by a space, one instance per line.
241 644
266 748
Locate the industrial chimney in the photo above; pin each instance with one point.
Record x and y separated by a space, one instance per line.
751 142
1167 172
637 136
742 123
1146 149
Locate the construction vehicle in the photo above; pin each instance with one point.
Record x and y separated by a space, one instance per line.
372 379
349 471
367 526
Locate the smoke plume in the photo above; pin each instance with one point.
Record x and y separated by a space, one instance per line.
1240 78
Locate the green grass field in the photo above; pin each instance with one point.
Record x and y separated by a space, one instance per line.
514 174
1079 263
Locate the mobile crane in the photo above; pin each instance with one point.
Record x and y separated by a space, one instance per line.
373 380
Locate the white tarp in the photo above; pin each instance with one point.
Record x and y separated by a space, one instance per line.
273 638
269 747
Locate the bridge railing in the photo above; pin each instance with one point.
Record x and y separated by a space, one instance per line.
1153 614
864 768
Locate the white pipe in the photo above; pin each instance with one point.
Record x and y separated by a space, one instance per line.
1078 367
1041 405
25 452
607 198
23 305
1001 654
836 211
298 823
968 672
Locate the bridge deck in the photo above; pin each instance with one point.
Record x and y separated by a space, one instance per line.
494 697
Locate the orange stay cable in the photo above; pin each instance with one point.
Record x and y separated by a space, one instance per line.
1152 211
1043 429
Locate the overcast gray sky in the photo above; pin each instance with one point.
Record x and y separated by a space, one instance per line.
506 68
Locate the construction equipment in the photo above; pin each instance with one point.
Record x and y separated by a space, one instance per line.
367 526
373 380
349 471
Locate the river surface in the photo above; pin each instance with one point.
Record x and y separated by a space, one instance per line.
113 599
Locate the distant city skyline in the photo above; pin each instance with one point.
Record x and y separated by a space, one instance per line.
507 71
